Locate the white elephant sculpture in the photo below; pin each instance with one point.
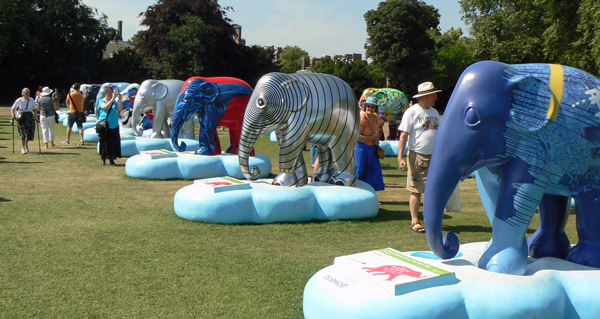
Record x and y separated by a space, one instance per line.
160 95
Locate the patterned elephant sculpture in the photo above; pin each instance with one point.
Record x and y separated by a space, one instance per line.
303 108
533 133
218 101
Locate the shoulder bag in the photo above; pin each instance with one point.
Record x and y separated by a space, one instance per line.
102 125
80 115
19 113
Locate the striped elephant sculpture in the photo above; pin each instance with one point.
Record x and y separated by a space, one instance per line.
303 108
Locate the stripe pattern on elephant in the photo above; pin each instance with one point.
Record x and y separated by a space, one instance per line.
303 108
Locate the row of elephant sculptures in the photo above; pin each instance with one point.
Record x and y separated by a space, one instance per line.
532 131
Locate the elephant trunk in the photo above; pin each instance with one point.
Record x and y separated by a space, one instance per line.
247 140
442 179
136 116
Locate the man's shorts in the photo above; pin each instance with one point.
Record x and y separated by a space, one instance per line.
74 118
418 166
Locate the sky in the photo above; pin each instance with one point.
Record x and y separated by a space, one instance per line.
318 27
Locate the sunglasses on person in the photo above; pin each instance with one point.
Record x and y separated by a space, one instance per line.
371 106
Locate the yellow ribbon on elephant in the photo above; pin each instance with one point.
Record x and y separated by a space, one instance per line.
557 80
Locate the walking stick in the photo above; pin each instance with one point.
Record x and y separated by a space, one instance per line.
12 123
38 134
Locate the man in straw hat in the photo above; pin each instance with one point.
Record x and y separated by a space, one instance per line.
419 127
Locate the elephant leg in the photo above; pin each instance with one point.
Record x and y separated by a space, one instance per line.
208 128
188 129
288 162
234 141
550 239
325 170
518 198
344 164
587 250
300 171
488 186
160 121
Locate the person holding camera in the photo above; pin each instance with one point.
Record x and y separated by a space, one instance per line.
110 140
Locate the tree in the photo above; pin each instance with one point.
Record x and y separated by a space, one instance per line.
290 59
589 42
194 37
454 55
49 42
124 66
257 62
357 73
398 41
187 50
215 54
506 31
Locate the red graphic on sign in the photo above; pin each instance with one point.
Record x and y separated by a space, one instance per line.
219 184
393 271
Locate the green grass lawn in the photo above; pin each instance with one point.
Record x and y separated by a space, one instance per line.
84 240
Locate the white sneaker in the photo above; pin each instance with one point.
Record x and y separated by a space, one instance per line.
23 151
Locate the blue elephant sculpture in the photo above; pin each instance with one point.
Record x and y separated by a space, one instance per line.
210 99
533 133
314 108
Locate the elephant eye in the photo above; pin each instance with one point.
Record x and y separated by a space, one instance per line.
471 117
210 92
260 103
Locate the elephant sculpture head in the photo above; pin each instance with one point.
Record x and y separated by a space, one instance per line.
159 96
531 130
313 108
209 101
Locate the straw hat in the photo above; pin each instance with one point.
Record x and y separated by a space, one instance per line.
426 88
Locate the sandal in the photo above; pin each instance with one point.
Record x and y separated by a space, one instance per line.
416 226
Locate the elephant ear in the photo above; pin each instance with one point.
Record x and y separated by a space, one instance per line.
535 103
159 91
295 95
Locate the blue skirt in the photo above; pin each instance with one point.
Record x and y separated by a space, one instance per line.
368 168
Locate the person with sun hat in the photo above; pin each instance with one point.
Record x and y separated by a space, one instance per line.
418 128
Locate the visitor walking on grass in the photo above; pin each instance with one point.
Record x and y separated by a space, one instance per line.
47 106
24 111
75 103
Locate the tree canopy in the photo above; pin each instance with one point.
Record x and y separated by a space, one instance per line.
536 31
290 59
357 74
49 42
399 40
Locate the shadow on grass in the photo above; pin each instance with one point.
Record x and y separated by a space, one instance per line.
46 152
11 162
395 186
2 199
468 228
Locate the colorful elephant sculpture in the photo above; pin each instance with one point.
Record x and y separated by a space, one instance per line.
218 101
392 104
533 132
302 108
